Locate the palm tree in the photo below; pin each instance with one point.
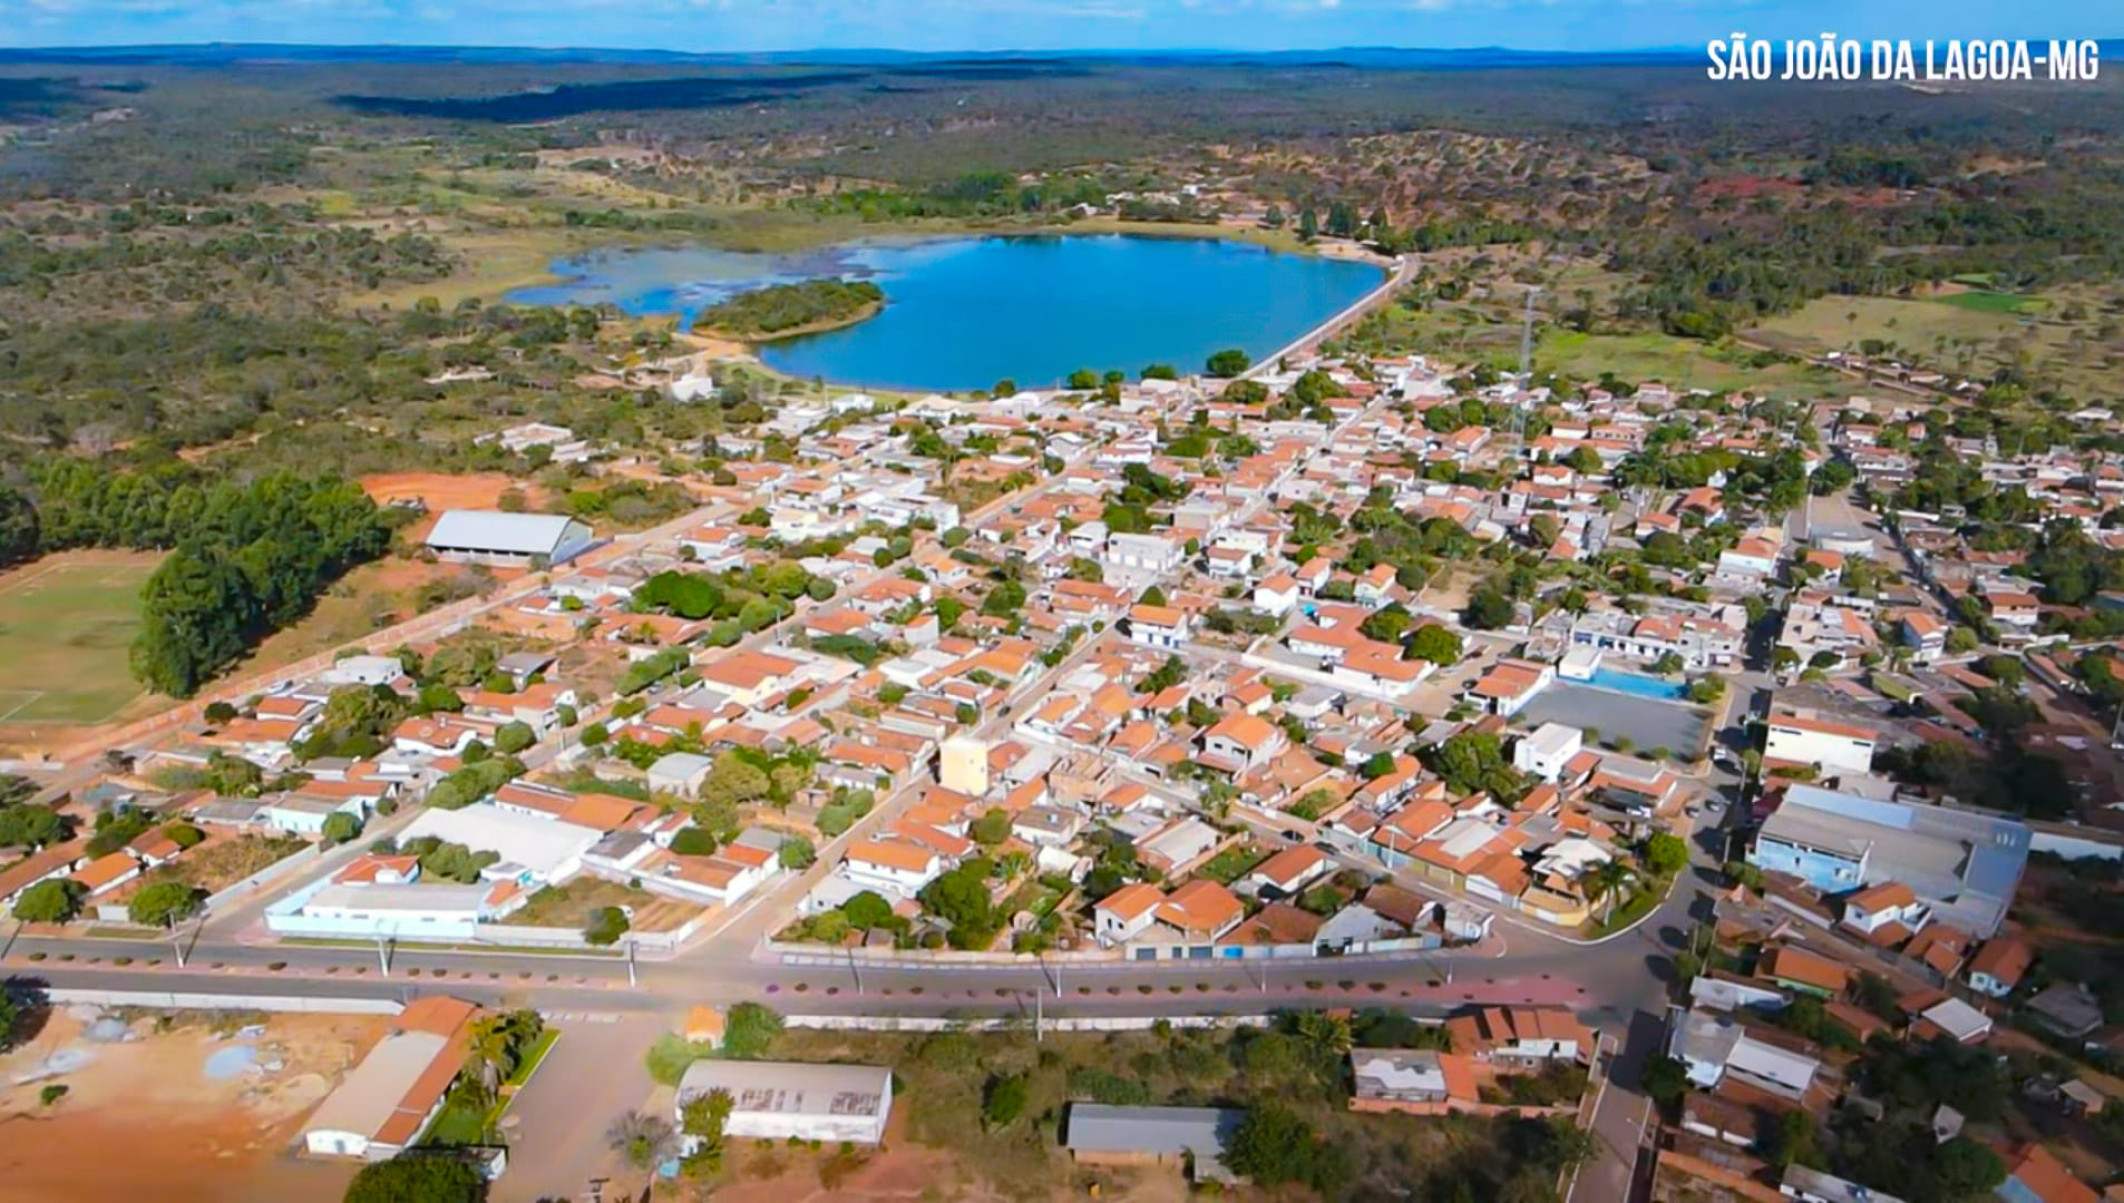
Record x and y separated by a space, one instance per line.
643 1139
1329 1034
1606 881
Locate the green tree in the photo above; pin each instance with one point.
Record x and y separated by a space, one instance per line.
417 1178
19 528
961 899
1003 1101
163 903
702 1118
605 925
694 841
514 737
30 826
1436 644
1665 1080
867 910
750 1030
1666 854
54 901
796 852
1272 1146
1229 362
339 827
1488 609
992 828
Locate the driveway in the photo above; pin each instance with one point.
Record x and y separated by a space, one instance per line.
556 1126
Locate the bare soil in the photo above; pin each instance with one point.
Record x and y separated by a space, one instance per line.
142 1119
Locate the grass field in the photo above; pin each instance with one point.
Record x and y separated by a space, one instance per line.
1465 335
66 623
2065 337
1991 302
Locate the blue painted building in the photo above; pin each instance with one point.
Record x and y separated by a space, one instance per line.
1963 864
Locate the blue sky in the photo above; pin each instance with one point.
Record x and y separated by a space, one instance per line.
748 25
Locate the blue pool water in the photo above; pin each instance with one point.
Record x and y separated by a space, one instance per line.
1638 685
965 312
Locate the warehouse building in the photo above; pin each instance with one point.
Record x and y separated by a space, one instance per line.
788 1100
504 540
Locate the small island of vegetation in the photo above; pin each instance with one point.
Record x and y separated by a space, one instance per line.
785 310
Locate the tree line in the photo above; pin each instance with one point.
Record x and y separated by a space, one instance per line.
246 557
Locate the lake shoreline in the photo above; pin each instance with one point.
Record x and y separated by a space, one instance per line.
1037 304
820 326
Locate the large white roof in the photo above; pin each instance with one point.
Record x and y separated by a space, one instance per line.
494 530
538 844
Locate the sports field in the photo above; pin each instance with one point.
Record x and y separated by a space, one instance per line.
66 622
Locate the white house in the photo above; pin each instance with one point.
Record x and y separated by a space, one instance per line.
680 772
507 540
1878 906
1711 1045
1277 595
303 814
1799 737
1157 626
894 867
1155 555
1126 913
1546 751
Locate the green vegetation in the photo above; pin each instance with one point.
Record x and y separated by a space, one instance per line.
418 1178
247 558
996 1099
781 310
65 629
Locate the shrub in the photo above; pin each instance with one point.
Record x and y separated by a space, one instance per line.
417 1178
605 926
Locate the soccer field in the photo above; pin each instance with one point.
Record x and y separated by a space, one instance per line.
66 623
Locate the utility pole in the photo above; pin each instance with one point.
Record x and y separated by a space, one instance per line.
854 971
1039 1014
383 954
631 981
1526 365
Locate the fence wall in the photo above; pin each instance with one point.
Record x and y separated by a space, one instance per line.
181 1001
1114 1023
238 889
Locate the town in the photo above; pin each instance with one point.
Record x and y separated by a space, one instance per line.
800 602
1341 682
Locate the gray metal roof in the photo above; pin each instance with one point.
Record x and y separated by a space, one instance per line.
494 530
791 1087
1965 864
1101 1128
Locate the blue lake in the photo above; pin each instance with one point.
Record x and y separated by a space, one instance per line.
965 312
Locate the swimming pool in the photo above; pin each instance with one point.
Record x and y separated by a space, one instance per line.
1637 685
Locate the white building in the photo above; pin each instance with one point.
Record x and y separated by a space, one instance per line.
507 540
785 1100
893 867
1157 626
1799 737
1546 751
1154 555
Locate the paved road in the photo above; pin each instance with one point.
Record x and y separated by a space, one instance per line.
556 1126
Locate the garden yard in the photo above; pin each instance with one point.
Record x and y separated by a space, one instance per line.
570 904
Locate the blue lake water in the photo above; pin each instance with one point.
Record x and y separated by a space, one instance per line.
965 312
1638 685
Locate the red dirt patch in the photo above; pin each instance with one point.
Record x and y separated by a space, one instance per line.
441 491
